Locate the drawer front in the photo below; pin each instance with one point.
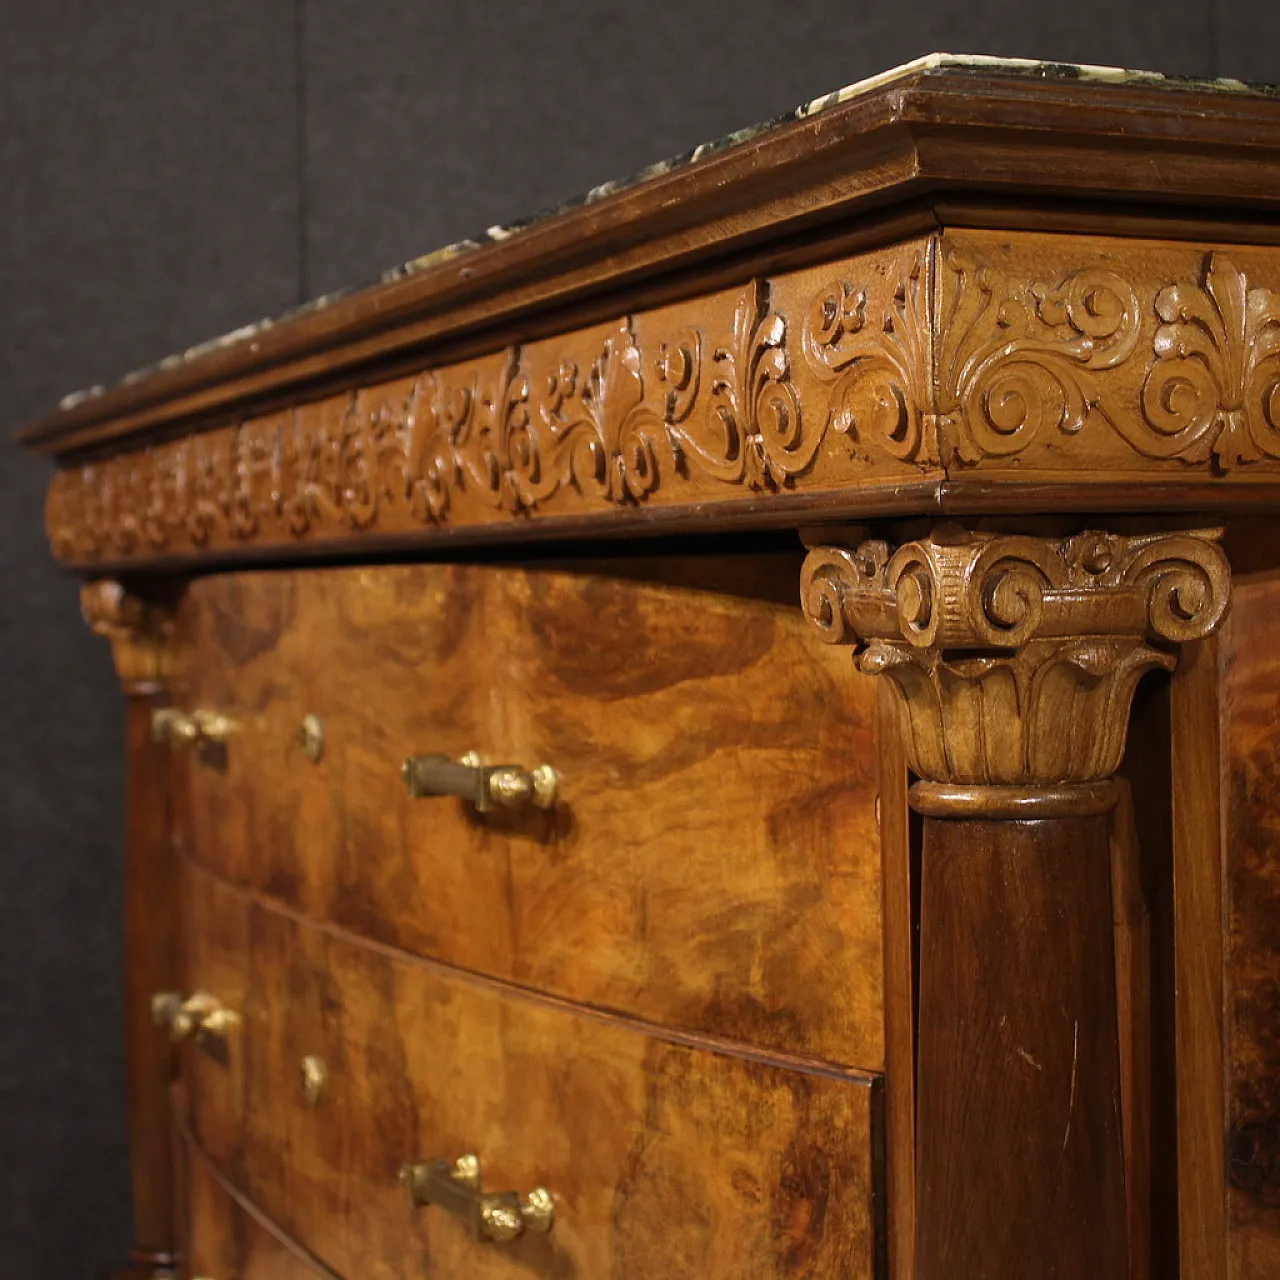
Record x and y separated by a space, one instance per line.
215 939
664 1159
225 1242
712 860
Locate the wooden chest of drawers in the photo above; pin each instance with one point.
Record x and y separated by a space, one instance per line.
729 732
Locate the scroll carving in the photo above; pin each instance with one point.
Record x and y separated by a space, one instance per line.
1016 658
509 435
933 361
1018 360
140 633
878 368
759 438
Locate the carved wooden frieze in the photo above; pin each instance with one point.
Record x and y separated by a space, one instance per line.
776 385
869 382
1016 657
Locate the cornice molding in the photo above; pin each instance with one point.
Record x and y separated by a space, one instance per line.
860 156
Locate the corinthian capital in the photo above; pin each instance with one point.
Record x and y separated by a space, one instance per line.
1017 657
139 631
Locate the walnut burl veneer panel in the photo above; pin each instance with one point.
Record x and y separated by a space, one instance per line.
664 1158
225 1242
1252 889
967 371
712 861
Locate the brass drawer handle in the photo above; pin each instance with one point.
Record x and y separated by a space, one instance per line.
506 786
199 1012
492 1216
190 728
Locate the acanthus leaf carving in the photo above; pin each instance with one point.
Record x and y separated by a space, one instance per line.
598 432
1214 388
508 432
1019 360
940 356
428 464
490 433
759 437
203 507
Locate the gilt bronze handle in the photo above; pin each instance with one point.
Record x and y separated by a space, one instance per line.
199 1012
190 728
506 786
495 1217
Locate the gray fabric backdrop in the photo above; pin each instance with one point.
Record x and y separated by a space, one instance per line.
169 170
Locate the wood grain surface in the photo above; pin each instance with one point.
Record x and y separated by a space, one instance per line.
1252 951
664 1158
151 964
224 1239
139 631
215 928
1142 890
1019 1160
1133 1007
1199 1009
900 844
713 860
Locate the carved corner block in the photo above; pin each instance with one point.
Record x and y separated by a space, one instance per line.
1015 657
139 631
1177 360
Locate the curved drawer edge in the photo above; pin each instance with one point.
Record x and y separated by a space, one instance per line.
188 1138
689 1037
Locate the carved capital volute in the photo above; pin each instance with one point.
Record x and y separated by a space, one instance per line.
1016 658
140 633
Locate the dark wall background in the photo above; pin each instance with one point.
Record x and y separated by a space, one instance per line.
172 169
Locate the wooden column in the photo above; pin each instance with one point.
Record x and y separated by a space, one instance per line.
1015 660
140 633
